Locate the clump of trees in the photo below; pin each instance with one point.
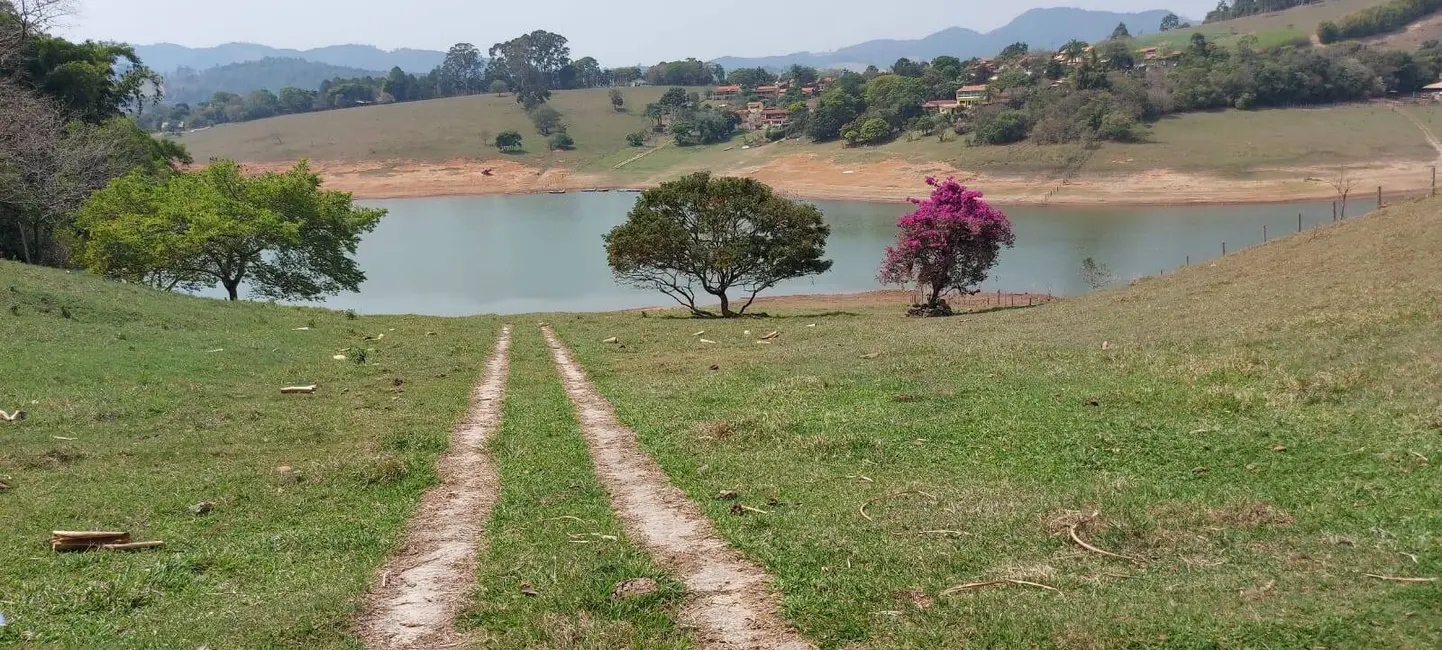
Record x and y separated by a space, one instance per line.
64 129
691 122
278 233
947 244
509 141
1238 8
1378 19
704 235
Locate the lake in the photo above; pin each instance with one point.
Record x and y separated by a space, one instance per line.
517 254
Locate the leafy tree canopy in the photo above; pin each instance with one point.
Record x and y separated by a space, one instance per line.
703 235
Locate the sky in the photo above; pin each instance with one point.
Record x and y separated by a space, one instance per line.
616 32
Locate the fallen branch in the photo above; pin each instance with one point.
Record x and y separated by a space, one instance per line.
133 546
1399 578
771 336
295 390
958 533
17 416
577 519
893 495
1071 529
991 583
755 510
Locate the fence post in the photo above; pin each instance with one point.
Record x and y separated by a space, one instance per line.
1334 211
1379 196
1299 222
1224 248
1264 233
1434 180
1189 260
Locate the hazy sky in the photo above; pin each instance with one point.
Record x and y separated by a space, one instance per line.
617 32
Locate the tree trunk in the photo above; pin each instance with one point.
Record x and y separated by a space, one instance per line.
232 287
725 306
936 289
24 242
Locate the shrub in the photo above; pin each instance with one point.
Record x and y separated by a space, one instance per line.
637 139
562 141
1000 127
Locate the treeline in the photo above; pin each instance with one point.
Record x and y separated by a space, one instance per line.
1380 19
63 128
193 86
1240 8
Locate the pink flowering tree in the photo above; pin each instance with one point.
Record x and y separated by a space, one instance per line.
949 242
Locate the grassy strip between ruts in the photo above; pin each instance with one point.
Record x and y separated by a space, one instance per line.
1261 436
555 551
142 405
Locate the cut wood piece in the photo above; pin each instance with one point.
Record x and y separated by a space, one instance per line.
133 546
4 486
69 540
17 416
772 335
294 390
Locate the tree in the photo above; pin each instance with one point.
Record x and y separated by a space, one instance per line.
1074 50
296 100
907 68
1121 32
709 235
547 119
896 98
1343 184
618 101
1013 51
398 85
802 75
462 71
1170 22
588 73
498 87
836 109
949 67
508 141
636 139
1096 274
532 62
949 243
561 142
278 232
750 77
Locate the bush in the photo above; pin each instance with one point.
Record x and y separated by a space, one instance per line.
1246 101
637 139
1000 127
562 141
509 141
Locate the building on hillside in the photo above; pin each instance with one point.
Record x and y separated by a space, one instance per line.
722 93
637 83
1432 90
942 106
777 117
971 95
770 92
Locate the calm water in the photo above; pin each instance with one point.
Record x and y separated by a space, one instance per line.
517 254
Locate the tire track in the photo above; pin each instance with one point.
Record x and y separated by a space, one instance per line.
729 603
414 603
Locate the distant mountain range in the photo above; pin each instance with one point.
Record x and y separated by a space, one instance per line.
167 57
270 73
1040 28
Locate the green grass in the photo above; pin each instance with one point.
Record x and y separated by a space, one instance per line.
1272 28
141 404
552 532
1263 433
433 131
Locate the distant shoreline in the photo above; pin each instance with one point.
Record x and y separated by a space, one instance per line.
894 181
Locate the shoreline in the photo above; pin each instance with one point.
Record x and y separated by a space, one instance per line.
806 177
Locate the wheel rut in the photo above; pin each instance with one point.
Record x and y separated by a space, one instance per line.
414 602
729 601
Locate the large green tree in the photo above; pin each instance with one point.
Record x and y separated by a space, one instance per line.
703 234
532 63
462 71
278 233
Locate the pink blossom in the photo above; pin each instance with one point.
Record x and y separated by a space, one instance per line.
949 242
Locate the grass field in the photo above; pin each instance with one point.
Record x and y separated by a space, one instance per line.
142 404
1272 28
1259 437
1263 434
433 131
